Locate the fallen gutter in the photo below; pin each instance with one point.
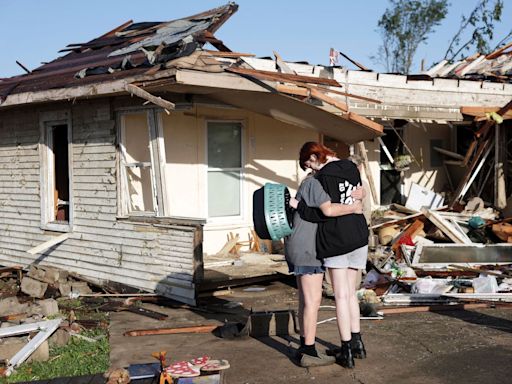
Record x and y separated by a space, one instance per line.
45 328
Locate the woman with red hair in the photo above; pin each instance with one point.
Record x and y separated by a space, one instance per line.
341 242
301 256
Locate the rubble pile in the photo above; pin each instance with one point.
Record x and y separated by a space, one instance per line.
35 313
440 256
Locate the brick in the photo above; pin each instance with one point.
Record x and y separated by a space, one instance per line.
36 273
33 288
47 274
52 275
64 288
10 346
46 307
11 306
80 287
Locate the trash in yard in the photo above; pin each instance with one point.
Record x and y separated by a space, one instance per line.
427 252
207 370
143 371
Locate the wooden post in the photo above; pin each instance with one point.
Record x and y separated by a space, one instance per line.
362 151
500 194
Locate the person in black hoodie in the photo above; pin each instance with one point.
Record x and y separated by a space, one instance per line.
341 242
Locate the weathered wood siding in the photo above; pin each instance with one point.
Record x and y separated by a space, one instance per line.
150 257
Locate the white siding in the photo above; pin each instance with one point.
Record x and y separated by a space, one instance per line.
101 246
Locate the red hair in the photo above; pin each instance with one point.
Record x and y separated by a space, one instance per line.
313 148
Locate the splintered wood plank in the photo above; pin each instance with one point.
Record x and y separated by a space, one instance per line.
293 90
167 105
446 227
498 52
282 64
366 164
228 246
361 66
48 244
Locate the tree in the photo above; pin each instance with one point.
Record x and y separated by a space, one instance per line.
482 20
404 26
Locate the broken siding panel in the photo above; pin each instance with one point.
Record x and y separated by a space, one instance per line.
101 247
120 255
137 278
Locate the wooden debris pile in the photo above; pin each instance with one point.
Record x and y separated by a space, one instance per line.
441 256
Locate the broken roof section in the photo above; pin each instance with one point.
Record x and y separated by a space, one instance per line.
154 54
126 50
496 67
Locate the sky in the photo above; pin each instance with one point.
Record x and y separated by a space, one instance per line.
33 31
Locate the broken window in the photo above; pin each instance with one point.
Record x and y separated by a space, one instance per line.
224 168
140 164
56 206
391 183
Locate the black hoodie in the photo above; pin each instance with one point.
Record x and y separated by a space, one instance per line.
342 234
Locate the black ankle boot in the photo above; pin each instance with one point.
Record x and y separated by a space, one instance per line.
344 357
357 346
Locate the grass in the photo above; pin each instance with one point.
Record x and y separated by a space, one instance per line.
79 357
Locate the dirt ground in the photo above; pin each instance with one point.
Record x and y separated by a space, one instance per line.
444 347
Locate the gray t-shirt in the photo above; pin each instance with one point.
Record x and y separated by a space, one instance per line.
300 246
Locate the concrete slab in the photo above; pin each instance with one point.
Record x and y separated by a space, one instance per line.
445 347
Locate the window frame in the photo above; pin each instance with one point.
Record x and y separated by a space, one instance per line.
233 218
47 121
157 163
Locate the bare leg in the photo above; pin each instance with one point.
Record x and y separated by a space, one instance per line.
310 290
355 321
301 306
340 282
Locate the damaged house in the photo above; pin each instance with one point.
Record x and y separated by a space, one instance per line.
134 155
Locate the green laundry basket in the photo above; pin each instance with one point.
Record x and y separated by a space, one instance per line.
278 215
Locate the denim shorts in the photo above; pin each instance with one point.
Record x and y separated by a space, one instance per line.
299 270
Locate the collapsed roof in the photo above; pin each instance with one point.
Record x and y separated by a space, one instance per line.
127 50
496 67
170 57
